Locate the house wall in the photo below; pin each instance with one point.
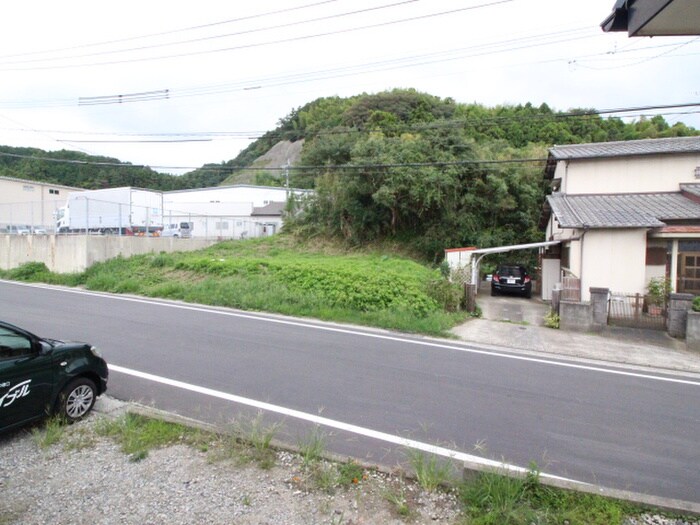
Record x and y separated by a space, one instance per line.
30 203
614 259
647 173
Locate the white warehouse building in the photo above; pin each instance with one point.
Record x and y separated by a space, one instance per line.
229 212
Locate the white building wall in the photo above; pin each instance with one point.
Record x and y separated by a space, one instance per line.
225 212
615 260
647 173
257 195
31 203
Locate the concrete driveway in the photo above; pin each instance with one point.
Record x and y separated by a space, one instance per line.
518 324
511 308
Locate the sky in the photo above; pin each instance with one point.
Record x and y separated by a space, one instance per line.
175 85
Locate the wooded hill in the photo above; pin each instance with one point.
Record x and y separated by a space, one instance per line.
401 165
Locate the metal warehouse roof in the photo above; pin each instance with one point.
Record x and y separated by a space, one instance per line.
635 210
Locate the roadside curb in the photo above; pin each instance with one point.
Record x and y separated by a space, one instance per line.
664 367
473 469
113 408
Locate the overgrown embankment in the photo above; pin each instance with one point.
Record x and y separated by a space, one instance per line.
279 275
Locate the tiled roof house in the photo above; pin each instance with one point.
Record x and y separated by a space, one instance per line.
625 212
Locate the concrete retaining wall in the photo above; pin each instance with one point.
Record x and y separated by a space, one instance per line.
575 316
692 334
76 253
677 318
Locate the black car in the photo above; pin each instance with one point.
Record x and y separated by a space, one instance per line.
513 279
40 377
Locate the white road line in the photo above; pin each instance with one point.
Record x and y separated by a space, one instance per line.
332 423
348 331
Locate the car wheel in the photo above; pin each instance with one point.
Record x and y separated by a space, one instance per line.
528 294
494 293
77 399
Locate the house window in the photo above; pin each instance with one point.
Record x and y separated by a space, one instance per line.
26 187
223 225
656 256
53 192
689 273
565 251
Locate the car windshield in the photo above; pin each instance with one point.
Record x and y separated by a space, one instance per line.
513 271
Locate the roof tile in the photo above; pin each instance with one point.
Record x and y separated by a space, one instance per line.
626 148
636 210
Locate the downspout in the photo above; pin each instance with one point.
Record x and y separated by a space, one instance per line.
585 231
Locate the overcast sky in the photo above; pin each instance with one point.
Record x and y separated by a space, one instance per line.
199 80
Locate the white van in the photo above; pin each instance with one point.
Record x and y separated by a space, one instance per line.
178 229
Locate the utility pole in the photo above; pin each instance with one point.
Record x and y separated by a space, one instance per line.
286 177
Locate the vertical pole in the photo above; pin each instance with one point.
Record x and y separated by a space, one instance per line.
286 178
674 266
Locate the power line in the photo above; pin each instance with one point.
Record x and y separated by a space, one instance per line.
363 166
547 39
262 44
636 111
216 37
281 169
174 31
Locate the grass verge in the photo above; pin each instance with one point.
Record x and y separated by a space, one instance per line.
489 499
137 435
493 499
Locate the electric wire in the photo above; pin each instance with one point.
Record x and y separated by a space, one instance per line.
202 136
172 31
547 39
216 37
261 44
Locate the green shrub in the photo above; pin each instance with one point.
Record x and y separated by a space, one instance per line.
696 304
551 320
31 271
445 293
162 260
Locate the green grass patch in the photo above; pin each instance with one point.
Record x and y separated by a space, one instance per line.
493 499
50 432
312 447
137 435
431 472
281 275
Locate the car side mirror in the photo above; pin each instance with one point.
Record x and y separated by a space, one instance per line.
45 348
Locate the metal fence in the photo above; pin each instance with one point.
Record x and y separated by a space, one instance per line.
41 217
29 217
636 310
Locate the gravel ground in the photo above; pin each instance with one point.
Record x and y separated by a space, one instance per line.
87 479
98 484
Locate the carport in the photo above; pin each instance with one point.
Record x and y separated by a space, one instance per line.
462 257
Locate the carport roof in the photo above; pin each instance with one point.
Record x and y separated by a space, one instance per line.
634 210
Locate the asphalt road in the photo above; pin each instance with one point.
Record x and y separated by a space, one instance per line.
605 425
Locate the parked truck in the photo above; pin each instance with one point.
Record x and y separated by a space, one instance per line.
117 211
